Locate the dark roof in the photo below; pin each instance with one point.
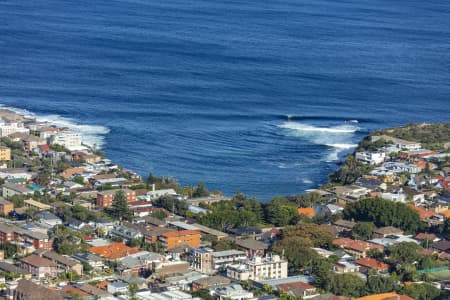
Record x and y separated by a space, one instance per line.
252 244
443 245
37 261
345 224
11 268
245 231
59 259
31 291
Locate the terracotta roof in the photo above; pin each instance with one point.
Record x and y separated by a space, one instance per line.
114 251
423 213
71 171
445 213
37 261
307 211
180 233
372 263
286 287
386 296
357 245
426 236
102 284
105 176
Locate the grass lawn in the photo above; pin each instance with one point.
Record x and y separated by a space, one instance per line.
441 275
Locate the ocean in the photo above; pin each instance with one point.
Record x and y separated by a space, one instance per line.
259 97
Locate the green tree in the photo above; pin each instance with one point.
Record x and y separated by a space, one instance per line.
119 208
422 291
363 230
384 213
346 284
67 241
200 191
377 284
79 180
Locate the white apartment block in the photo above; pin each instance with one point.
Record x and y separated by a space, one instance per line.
259 268
69 139
372 158
10 128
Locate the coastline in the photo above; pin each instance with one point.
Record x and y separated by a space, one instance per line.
95 136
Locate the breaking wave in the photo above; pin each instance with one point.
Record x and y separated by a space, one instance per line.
337 138
91 134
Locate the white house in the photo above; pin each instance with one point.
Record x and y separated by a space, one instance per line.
118 287
372 158
396 197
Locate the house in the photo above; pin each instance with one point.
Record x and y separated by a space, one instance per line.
441 246
39 267
48 219
367 264
259 268
344 225
16 173
139 264
246 231
356 248
209 282
372 158
5 207
399 144
105 198
350 193
345 266
28 290
371 183
117 287
156 194
174 239
234 291
9 190
394 196
70 172
125 232
114 251
306 211
427 236
65 264
386 231
298 289
252 247
95 261
76 224
8 268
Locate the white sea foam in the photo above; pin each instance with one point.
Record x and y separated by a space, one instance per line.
338 138
341 129
307 181
342 146
91 134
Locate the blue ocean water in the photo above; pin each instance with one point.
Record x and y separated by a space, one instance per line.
262 97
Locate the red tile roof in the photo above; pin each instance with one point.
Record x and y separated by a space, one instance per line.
114 251
286 287
372 263
356 245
